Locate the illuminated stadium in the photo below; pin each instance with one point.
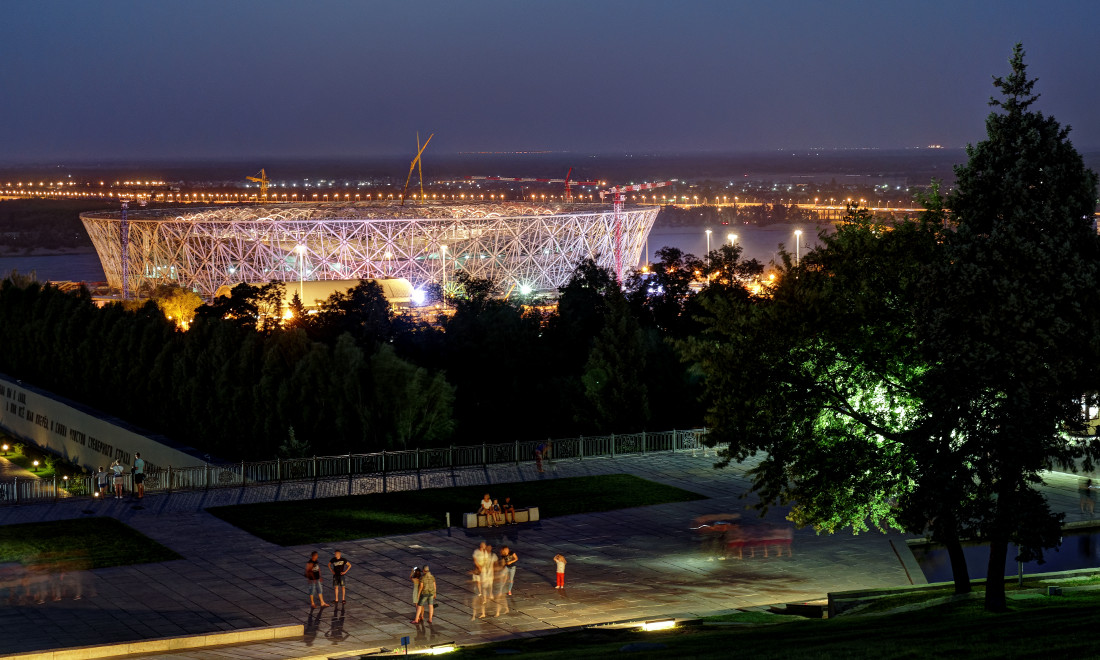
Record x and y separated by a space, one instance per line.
522 247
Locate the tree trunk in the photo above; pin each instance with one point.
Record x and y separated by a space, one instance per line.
995 576
959 572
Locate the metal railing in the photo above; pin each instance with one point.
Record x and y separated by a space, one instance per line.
349 466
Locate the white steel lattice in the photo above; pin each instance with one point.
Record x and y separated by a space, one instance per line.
512 243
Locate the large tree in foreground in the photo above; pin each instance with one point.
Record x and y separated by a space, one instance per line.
924 377
1013 325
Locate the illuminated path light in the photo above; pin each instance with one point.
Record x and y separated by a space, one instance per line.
528 246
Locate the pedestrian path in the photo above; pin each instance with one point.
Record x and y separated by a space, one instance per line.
627 564
9 470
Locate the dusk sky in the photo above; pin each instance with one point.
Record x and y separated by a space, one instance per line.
218 79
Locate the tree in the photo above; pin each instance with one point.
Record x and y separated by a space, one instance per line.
177 303
1015 325
410 407
613 378
660 295
362 311
823 377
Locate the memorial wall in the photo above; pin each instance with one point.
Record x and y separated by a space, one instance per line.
81 434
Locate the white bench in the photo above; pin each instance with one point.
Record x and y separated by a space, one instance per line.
471 520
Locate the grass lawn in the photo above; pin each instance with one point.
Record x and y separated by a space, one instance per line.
405 512
1042 627
16 455
88 542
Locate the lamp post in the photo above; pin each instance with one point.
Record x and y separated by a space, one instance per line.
708 247
35 463
301 249
6 448
797 244
732 238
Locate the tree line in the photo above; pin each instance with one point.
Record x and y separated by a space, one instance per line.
247 380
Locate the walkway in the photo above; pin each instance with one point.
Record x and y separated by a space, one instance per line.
9 470
624 564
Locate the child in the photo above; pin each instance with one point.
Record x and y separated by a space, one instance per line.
497 518
559 561
117 469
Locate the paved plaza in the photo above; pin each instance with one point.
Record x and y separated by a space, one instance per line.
628 564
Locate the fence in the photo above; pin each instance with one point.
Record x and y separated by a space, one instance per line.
349 466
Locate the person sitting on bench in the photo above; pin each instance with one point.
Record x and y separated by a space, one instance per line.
508 509
485 508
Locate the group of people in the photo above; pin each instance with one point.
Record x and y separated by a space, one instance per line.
116 475
494 576
496 513
338 567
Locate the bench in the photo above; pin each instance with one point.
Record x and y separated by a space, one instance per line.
471 520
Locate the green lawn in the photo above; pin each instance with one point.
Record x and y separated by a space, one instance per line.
16 455
85 542
1042 627
383 514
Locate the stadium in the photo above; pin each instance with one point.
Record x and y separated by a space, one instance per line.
522 247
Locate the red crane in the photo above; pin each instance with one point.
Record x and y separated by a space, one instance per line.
569 183
618 199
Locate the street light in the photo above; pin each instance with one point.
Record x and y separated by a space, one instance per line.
35 463
708 247
301 249
732 238
6 448
797 244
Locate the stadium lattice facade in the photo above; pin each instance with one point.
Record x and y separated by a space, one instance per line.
520 246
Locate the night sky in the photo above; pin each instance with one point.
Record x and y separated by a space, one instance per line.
232 79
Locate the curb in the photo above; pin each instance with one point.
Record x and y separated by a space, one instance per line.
267 634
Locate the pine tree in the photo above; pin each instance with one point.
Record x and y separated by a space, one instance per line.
1014 320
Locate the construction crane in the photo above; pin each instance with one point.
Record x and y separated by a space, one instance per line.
569 183
262 180
618 200
416 164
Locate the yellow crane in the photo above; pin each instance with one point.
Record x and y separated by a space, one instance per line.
415 164
262 180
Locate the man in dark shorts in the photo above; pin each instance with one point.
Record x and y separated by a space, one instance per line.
339 567
139 475
313 578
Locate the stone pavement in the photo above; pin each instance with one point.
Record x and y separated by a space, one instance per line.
627 564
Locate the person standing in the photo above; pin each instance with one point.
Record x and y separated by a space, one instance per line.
1088 502
539 449
510 560
500 577
313 577
339 568
483 563
116 469
426 596
415 577
559 562
101 481
139 475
